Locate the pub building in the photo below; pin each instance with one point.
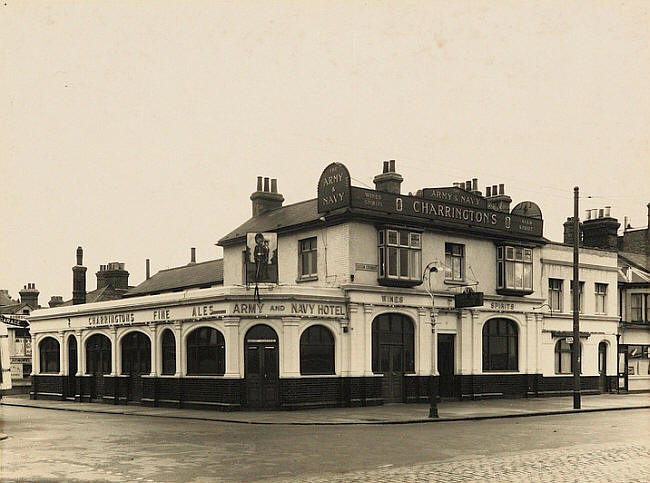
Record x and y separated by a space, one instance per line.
371 296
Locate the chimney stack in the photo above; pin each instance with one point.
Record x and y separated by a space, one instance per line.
114 275
147 269
568 231
265 198
600 231
389 181
29 295
192 256
497 199
79 279
55 301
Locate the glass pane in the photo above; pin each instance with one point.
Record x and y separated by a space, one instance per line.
519 253
382 270
448 266
528 255
519 275
253 360
397 359
403 262
499 253
500 275
528 276
392 261
392 237
270 357
510 275
384 359
381 237
415 240
404 238
416 271
457 269
510 253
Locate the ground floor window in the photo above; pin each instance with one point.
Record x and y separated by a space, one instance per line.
98 354
168 353
206 352
564 357
50 360
638 360
317 351
500 345
136 354
392 344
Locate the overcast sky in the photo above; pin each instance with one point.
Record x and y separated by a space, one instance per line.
137 130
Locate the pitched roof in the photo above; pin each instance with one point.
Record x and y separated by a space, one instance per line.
5 299
15 308
640 260
101 294
188 276
289 215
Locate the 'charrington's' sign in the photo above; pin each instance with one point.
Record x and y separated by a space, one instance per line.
446 205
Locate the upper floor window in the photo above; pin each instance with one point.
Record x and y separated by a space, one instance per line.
581 289
601 297
555 294
307 258
400 257
514 270
636 307
454 262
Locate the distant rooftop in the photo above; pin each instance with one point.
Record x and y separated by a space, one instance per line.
194 275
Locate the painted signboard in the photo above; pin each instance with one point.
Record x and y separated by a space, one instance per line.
261 258
334 188
468 299
480 219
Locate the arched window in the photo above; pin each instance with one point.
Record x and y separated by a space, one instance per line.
392 344
500 345
206 353
168 353
49 350
317 351
563 357
98 354
136 353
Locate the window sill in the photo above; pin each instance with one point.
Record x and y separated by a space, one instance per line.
397 282
500 371
314 376
511 291
455 282
310 278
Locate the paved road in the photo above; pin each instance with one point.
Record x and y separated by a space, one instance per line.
59 445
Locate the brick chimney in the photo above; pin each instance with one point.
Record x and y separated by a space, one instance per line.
389 181
265 199
29 295
600 230
114 275
79 279
192 256
496 197
568 231
55 301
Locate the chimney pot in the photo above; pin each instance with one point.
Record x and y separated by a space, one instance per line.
385 170
474 184
274 185
266 185
391 165
488 191
192 255
80 256
147 269
600 213
259 183
502 189
608 210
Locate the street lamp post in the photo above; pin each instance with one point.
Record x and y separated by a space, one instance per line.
433 397
575 353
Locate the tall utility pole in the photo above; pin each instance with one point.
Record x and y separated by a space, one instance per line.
575 353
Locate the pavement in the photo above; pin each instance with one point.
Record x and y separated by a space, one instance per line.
377 415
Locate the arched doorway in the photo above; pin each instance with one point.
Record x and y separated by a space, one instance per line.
262 367
71 389
602 366
136 361
393 353
98 362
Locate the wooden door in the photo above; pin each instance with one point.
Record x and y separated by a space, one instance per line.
446 365
71 380
262 368
602 366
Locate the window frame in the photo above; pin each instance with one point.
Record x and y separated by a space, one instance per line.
639 308
193 350
312 256
396 247
489 341
513 262
451 258
49 350
600 296
558 292
103 351
559 349
581 298
328 346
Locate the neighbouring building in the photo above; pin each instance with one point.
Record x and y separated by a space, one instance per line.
15 315
634 307
5 371
380 297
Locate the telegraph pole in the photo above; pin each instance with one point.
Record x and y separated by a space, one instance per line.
575 353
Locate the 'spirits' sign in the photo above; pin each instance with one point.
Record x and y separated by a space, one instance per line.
333 188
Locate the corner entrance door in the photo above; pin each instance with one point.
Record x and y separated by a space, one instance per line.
446 365
602 366
262 367
71 388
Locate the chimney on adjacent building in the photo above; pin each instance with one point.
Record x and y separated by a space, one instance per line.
600 230
113 274
568 231
497 199
147 269
55 301
389 181
265 199
192 256
79 279
29 295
